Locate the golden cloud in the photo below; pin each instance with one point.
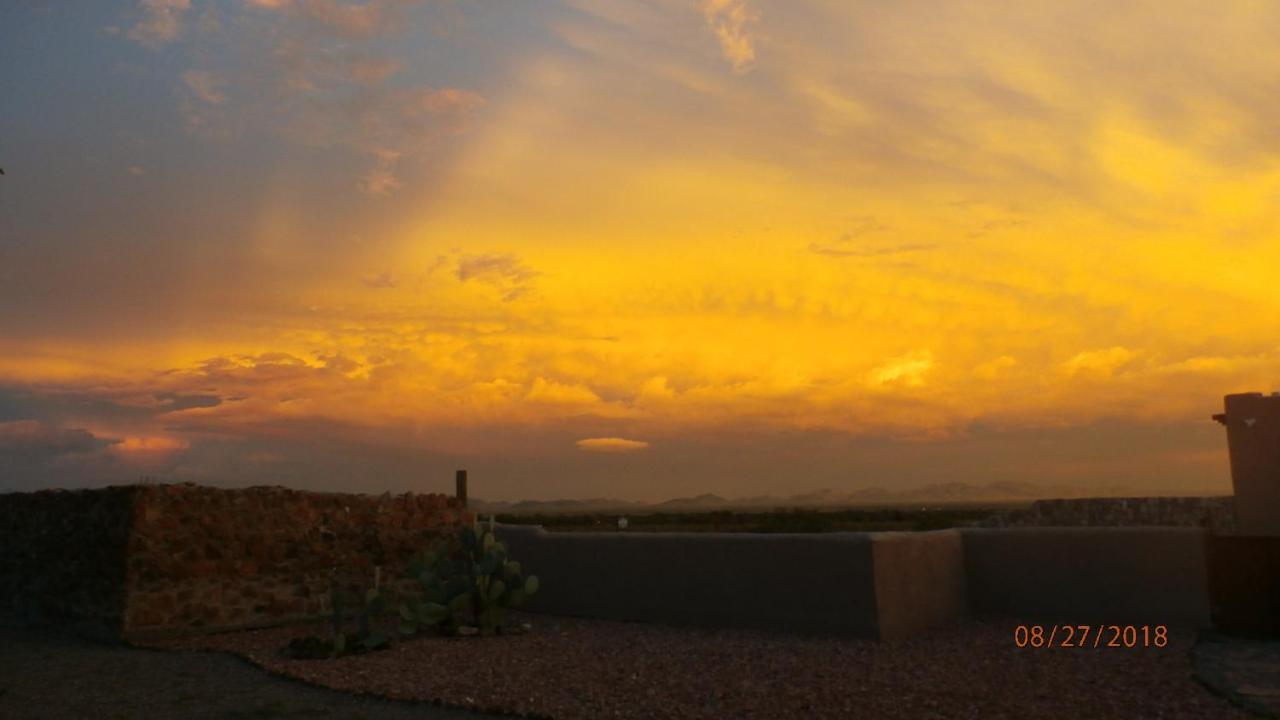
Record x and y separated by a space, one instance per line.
611 445
733 22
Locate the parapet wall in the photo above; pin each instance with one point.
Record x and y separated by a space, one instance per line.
173 558
1216 512
881 585
1144 575
802 582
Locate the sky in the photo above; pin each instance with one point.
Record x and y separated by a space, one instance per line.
635 249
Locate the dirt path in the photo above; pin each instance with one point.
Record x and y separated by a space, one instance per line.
50 675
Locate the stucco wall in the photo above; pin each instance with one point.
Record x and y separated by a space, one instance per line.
1244 583
1252 421
1122 575
800 583
885 585
919 581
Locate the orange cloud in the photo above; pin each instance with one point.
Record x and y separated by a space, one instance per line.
611 445
148 445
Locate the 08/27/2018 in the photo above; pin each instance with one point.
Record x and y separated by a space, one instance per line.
1090 636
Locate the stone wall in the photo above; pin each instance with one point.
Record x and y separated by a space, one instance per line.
1215 512
63 556
167 559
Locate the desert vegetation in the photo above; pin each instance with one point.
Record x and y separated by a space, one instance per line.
460 587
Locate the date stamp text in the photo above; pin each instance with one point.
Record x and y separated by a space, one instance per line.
1090 636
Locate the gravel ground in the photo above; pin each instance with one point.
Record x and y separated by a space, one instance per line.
1246 670
46 675
577 669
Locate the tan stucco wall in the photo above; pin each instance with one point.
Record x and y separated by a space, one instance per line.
919 581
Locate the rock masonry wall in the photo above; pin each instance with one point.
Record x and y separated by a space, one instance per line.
1215 512
62 554
156 559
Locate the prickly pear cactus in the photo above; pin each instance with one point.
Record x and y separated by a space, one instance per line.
466 591
367 605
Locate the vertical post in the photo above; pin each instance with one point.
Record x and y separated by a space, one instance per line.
460 478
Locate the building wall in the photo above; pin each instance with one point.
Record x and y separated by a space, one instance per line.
801 583
883 585
919 581
1244 583
1253 437
1120 575
167 559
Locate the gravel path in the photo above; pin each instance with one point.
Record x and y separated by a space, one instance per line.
576 669
46 675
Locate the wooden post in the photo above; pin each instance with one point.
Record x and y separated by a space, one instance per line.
461 492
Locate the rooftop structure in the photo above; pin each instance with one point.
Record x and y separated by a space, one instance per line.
1253 436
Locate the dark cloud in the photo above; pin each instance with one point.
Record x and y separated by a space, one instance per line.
33 441
505 272
60 404
173 402
512 461
320 74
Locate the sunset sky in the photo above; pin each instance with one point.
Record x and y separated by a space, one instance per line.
605 248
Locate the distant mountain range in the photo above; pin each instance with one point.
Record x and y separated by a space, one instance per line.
942 493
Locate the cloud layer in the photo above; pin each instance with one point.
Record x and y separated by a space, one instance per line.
413 233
